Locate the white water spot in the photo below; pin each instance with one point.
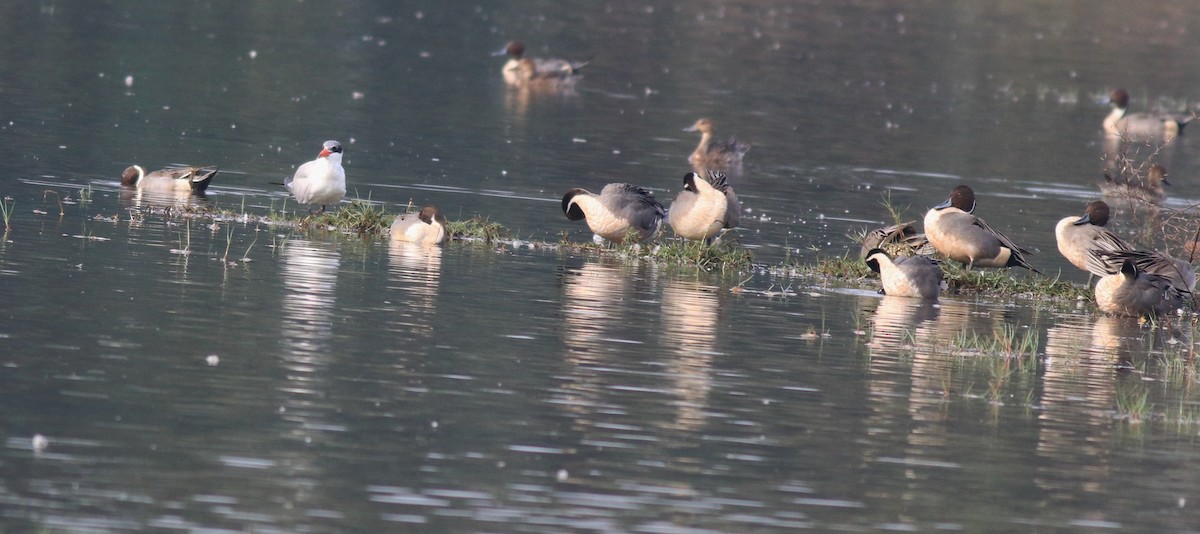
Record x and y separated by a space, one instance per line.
212 360
39 443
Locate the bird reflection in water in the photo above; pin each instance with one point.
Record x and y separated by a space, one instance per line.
309 270
415 270
690 313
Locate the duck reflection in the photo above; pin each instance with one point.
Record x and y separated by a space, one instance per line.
518 98
416 271
895 321
690 318
161 199
1079 395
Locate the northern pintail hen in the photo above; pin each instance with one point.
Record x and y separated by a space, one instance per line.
904 233
705 207
1076 235
712 152
320 181
907 276
519 70
175 179
1134 292
1121 123
618 211
426 227
965 238
1147 189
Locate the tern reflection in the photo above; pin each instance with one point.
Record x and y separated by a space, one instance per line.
415 270
309 271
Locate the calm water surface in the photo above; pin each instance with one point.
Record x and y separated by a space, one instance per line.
185 374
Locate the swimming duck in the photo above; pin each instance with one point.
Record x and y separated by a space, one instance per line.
907 276
1076 235
1179 273
320 181
617 211
962 237
1121 123
711 152
1148 189
1135 293
518 72
427 226
177 179
905 233
704 207
528 76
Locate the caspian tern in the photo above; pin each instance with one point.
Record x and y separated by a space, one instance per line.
321 181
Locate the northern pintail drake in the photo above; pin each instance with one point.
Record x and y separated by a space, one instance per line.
320 181
907 276
1121 123
1076 235
904 234
530 77
1179 273
705 207
176 179
710 151
967 239
618 211
1136 293
426 227
519 70
1148 188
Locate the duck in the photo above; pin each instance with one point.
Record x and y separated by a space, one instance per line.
711 152
904 233
1135 293
1179 273
1148 189
907 276
530 77
321 181
1076 235
426 227
1121 123
175 179
619 211
705 207
518 72
956 233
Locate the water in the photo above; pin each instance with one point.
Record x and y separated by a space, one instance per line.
200 375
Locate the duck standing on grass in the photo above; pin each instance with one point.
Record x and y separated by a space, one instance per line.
1077 235
712 152
967 239
619 210
907 276
426 227
903 233
705 207
320 181
176 179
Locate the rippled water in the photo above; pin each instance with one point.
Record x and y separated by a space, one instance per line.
167 372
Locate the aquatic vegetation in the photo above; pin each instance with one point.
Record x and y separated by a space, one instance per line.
361 216
1133 403
6 210
477 228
